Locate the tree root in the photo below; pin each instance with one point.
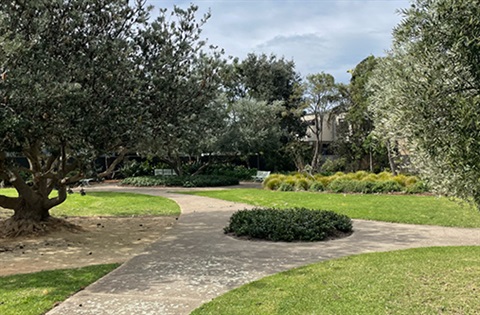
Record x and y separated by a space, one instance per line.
11 228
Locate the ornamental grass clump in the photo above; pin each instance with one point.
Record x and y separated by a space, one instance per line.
288 225
359 182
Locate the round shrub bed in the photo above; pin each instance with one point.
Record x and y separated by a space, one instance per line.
288 225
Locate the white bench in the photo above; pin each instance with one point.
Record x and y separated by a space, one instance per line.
164 172
261 175
85 181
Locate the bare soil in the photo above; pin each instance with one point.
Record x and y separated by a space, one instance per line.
102 240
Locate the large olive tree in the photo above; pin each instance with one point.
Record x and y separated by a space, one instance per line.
68 91
427 93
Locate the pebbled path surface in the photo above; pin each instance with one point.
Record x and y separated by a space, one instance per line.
195 262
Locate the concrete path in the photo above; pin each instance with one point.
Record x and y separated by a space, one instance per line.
195 262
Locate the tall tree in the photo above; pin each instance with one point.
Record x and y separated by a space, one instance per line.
253 127
356 143
270 79
182 83
322 96
428 91
68 90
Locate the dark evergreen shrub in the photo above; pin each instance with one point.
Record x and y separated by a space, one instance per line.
185 181
294 224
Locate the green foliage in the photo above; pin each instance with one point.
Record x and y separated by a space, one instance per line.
431 280
386 186
36 293
359 182
182 111
316 186
230 170
286 187
418 188
341 185
295 224
69 91
134 168
273 183
302 184
331 166
427 93
355 143
185 181
252 127
322 97
270 79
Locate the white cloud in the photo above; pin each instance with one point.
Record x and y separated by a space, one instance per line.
319 35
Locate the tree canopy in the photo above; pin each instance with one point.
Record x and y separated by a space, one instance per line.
426 92
322 96
84 77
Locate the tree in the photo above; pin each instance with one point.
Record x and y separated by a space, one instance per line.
356 142
427 92
322 96
270 79
67 92
252 127
182 85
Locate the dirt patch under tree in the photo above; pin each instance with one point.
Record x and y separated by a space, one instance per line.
103 240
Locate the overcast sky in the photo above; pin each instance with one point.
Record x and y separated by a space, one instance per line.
319 35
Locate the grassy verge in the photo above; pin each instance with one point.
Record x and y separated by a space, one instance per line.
412 209
36 293
417 281
111 204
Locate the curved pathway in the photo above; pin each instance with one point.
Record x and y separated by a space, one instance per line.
195 262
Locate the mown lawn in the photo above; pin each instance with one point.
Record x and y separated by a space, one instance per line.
36 293
438 280
412 209
111 204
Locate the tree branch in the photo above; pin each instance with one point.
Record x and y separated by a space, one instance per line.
62 196
112 166
8 202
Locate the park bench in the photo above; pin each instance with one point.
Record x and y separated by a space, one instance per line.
164 172
261 175
85 181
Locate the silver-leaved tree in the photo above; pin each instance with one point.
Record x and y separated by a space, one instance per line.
427 93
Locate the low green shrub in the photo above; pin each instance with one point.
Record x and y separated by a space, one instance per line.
386 186
342 185
294 224
185 181
331 166
418 187
230 170
316 186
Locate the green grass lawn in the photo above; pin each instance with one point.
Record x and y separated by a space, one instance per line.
36 293
439 280
411 209
111 204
